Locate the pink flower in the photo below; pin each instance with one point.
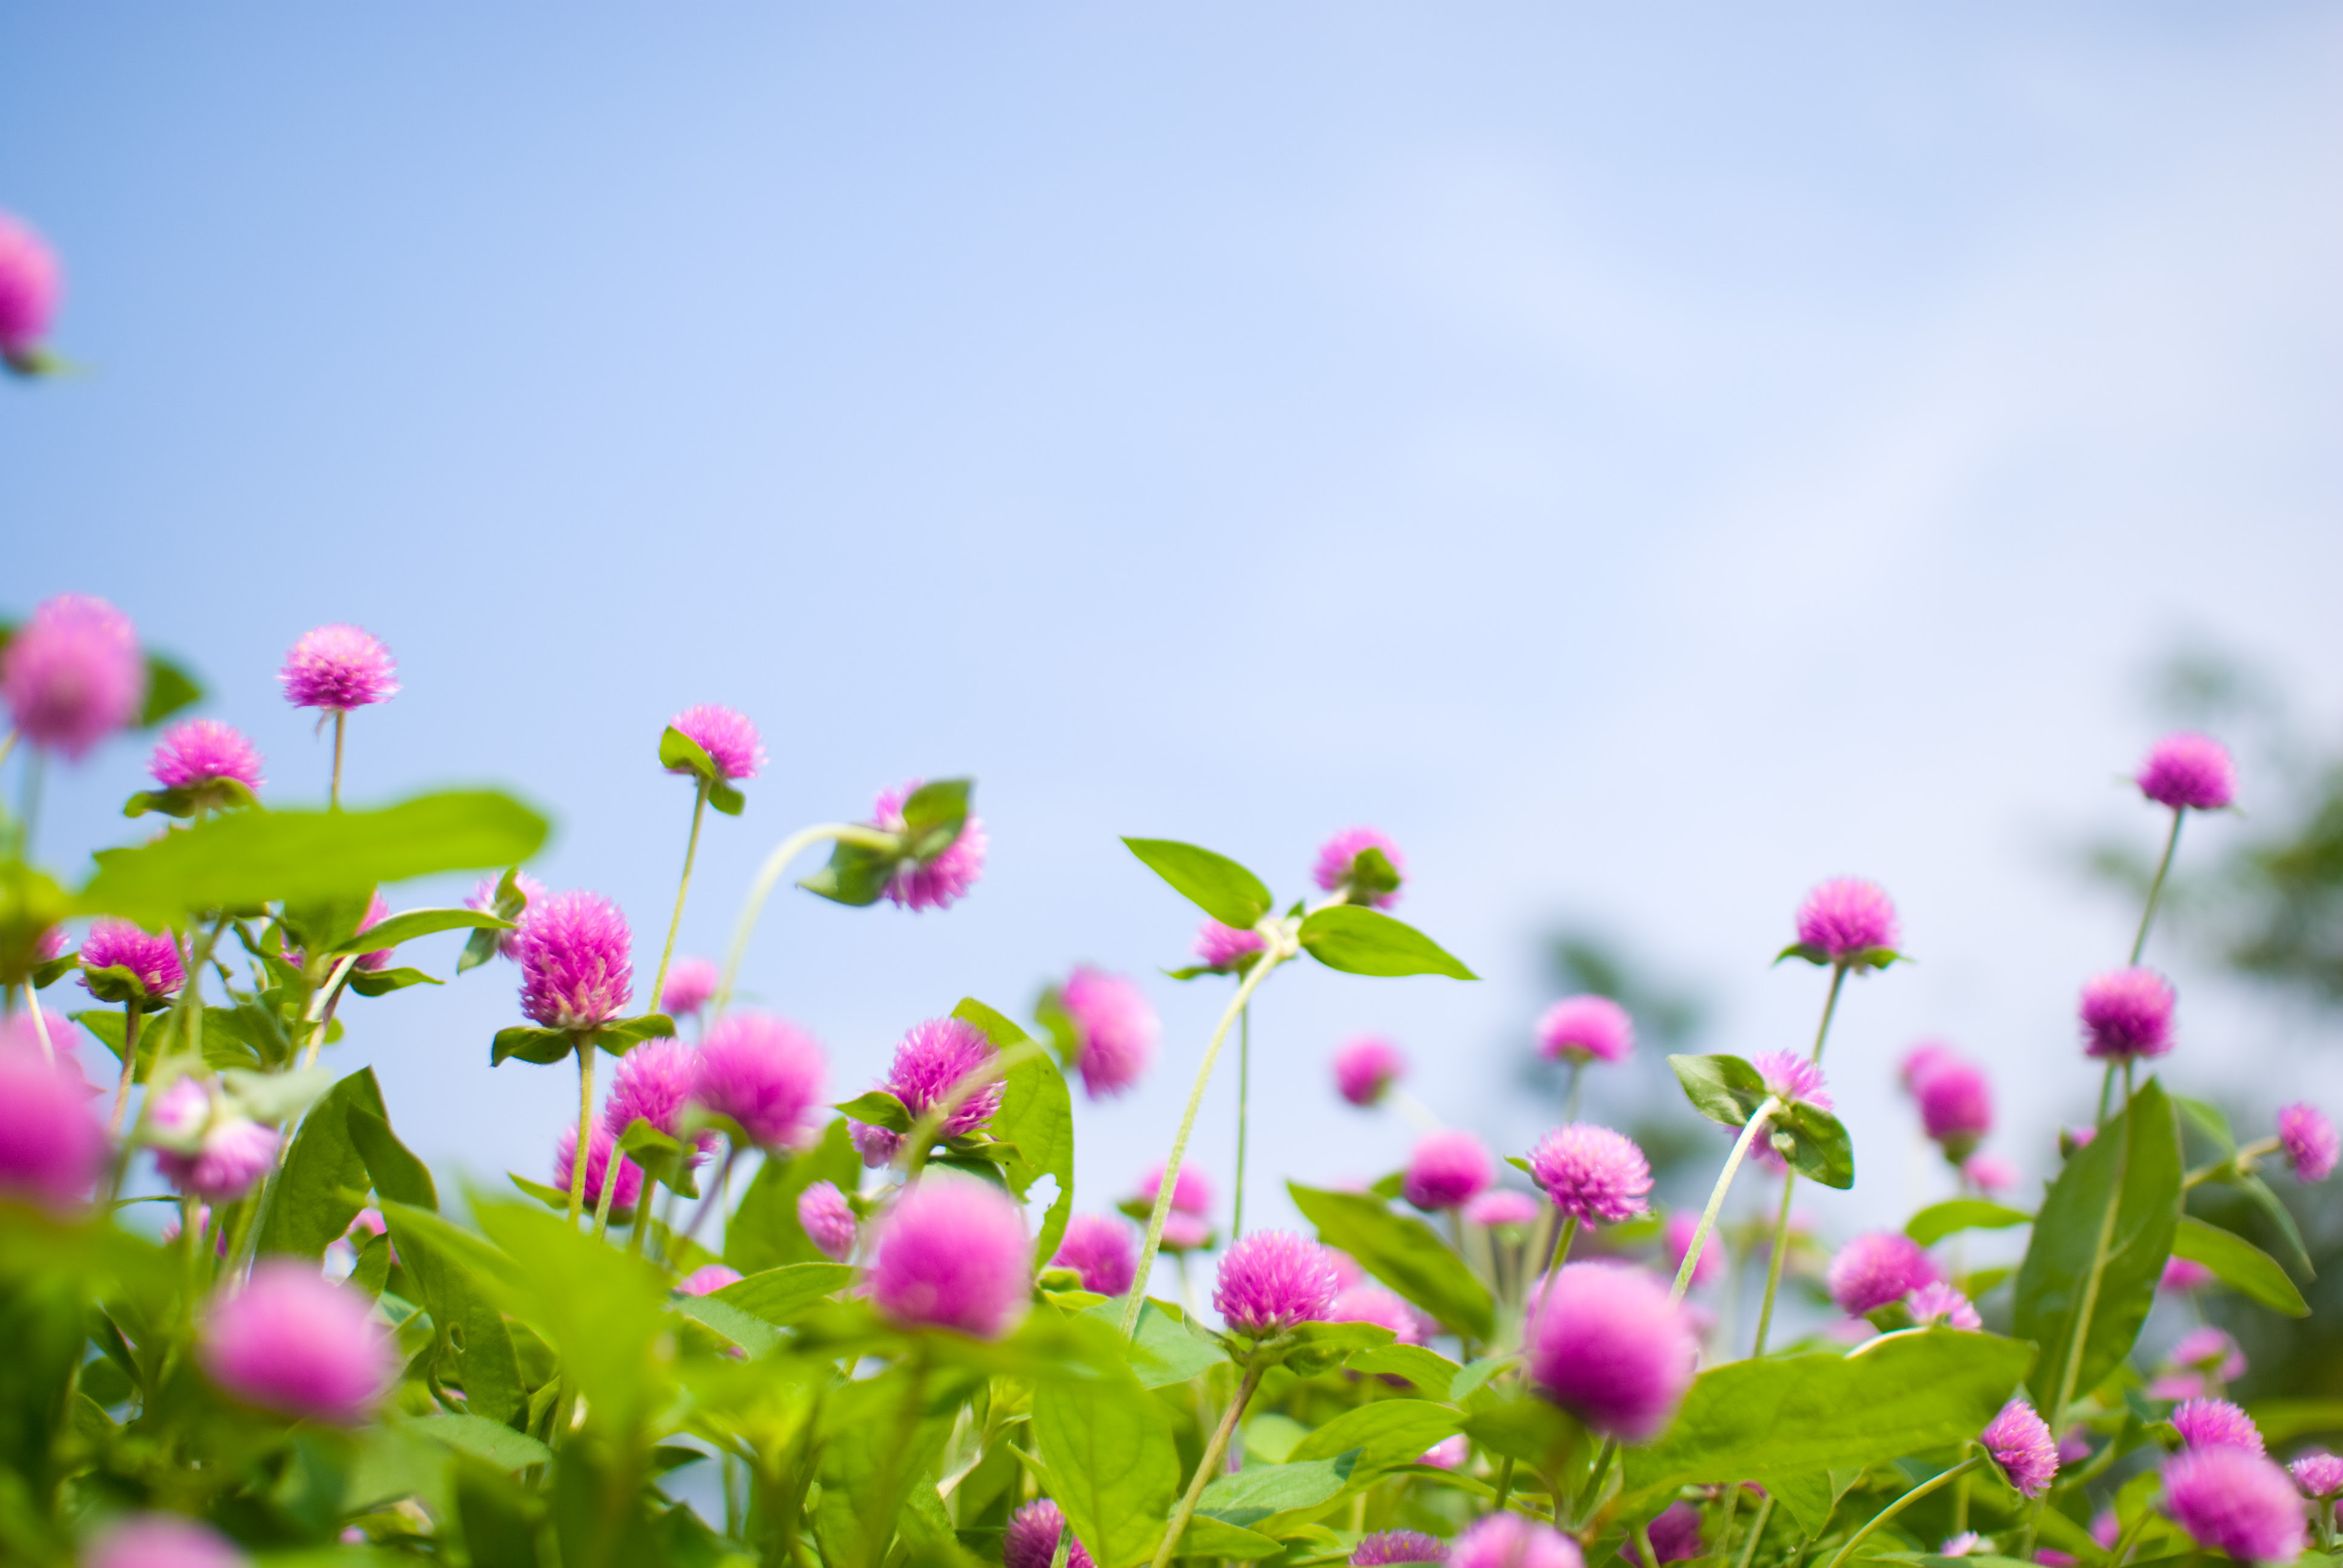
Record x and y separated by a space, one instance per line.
1365 1070
1591 1172
2318 1474
690 983
1503 1206
1586 1028
484 896
1509 1541
2201 1355
1190 1192
163 1539
943 880
2020 1442
2235 1501
1446 1169
1922 1058
51 1148
377 911
1938 1302
1186 1232
933 1057
236 1154
706 1279
1383 1308
1967 1544
1338 859
1270 1281
2181 1274
1955 1102
2216 1424
1101 1249
877 1145
576 962
2308 1140
1114 1029
2051 1557
1031 1541
1448 1452
180 1112
728 737
119 944
2106 1529
828 1221
1387 1546
73 674
297 1343
1613 1348
952 1255
1989 1173
338 668
2189 773
1846 918
655 1081
765 1073
2128 1013
1226 947
1675 1535
1876 1269
1681 1228
1789 1076
629 1190
2076 1445
31 281
204 752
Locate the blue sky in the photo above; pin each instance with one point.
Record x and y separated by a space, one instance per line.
1646 460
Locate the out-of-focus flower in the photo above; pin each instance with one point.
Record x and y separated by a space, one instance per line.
765 1073
1509 1541
1366 1067
1584 1028
2181 1274
1448 1452
1940 1303
2216 1424
655 1081
1613 1348
1678 1235
378 911
828 1221
2308 1140
952 1255
2020 1442
1876 1269
877 1145
2235 1501
1846 918
1225 947
152 957
576 962
2189 773
236 1152
1114 1029
1446 1171
1337 867
163 1539
728 737
1270 1281
1956 1102
51 1148
1503 1206
630 1188
1190 1192
1384 1308
1675 1535
690 983
1100 1247
2128 1013
706 1279
73 674
2200 1361
1989 1173
295 1342
1591 1172
338 669
1967 1544
1031 1541
31 283
943 880
204 752
2318 1474
1795 1080
1385 1547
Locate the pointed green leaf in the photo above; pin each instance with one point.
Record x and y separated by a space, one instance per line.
405 926
1387 1433
543 1046
779 1295
1404 1253
170 688
306 1209
1724 1088
1214 883
763 1232
1363 941
877 1109
680 753
1938 1220
392 1168
1037 1118
2242 1266
1108 1446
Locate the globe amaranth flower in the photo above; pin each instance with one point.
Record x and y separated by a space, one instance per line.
1586 1028
1876 1269
656 1081
952 1255
1675 1535
1613 1348
2216 1424
765 1073
1446 1171
1192 1194
180 1112
1511 1540
2183 1275
1940 1303
728 737
52 1148
1337 865
73 674
1503 1206
1792 1079
1224 948
235 1153
2019 1442
2199 1359
576 962
338 668
1271 1279
1592 1174
1387 1546
295 1342
484 897
930 1058
1678 1235
2318 1475
1114 1029
2075 1446
706 1279
378 911
1374 1304
943 880
119 944
1448 1453
1100 1248
1031 1541
877 1145
1967 1544
204 752
690 985
163 1541
828 1221
1989 1173
2235 1501
2308 1140
1846 918
2189 773
30 282
2128 1013
1366 1067
1956 1102
629 1190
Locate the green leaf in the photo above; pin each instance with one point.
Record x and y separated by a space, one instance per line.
1429 1371
252 858
1163 1349
602 1309
680 753
2209 1120
396 1173
855 875
2242 1266
1724 1088
511 903
1266 1489
1108 1446
2284 1420
883 1439
1207 1536
1818 1147
382 982
1810 1498
1214 883
543 1046
393 930
490 1441
727 799
933 816
1899 1395
1523 1426
306 1209
1387 1433
878 1109
1036 1115
763 1232
663 1158
170 688
746 1330
780 1296
227 793
464 1282
1363 941
1938 1220
1372 875
1404 1253
621 1035
2281 1219
2140 1150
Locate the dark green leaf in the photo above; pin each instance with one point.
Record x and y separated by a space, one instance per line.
1404 1253
1522 1426
1214 883
855 875
543 1046
1372 875
727 798
1108 1449
1266 1489
763 1232
1036 1116
883 1436
1724 1088
465 1281
2281 1219
2242 1266
878 1109
1207 1536
1387 1433
307 1207
1938 1220
1364 941
2208 1119
393 1169
663 1158
2284 1420
405 926
933 816
382 982
680 753
621 1035
1817 1145
114 983
511 902
601 1309
1163 1349
170 688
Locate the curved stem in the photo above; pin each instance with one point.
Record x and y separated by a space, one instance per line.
1774 1264
40 1022
683 887
1749 1130
1830 1008
1505 1483
769 875
1597 1474
1562 1241
2155 888
1942 1478
584 1152
322 1005
1244 1098
608 1194
715 1193
334 796
130 1020
1207 1467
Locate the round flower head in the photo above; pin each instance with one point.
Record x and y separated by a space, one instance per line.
1448 1453
934 1056
1613 1348
952 1255
119 944
1447 1168
1374 1304
1338 860
30 284
1876 1269
1191 1193
1678 1235
1592 1173
765 1073
655 1081
1940 1303
377 911
1511 1540
1989 1173
1955 1104
1100 1248
2020 1442
1586 1028
337 669
1186 1232
877 1145
51 1148
706 1279
1386 1546
181 1110
690 983
1675 1535
2216 1424
2183 1275
300 1344
533 896
236 1154
2318 1474
73 674
1270 1281
1031 1541
2128 1013
629 1189
1365 1070
942 881
2076 1446
204 752
828 1221
728 737
1846 918
576 962
2308 1140
1967 1544
2189 773
1114 1029
163 1541
2235 1501
1225 947
1795 1079
1503 1206
2211 1351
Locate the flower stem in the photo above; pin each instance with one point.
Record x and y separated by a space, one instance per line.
334 795
130 1020
715 1193
1505 1483
1773 1264
608 1195
2073 1368
40 1022
769 875
675 921
2155 888
1942 1478
584 1132
1597 1474
1554 1260
1209 1465
1577 1080
1244 1098
1830 1008
1749 1131
1756 1526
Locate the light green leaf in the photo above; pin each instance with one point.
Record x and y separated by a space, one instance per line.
2281 1219
2284 1420
1386 1432
1363 941
307 1211
1214 883
1114 1471
877 1109
1724 1088
276 1096
1266 1489
763 1232
1163 1349
1209 1537
1036 1116
747 1329
544 1047
170 688
680 753
1431 1372
393 930
933 816
1938 1220
492 1442
1404 1253
780 1296
2242 1266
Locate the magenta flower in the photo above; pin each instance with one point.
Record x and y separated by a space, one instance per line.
1338 860
1503 1206
942 881
1591 1172
1387 1546
297 1343
655 1081
236 1152
576 963
2318 1474
2216 1424
162 1539
728 737
2128 1013
706 1279
1224 948
1675 1535
1586 1028
31 281
1846 918
2235 1501
377 911
1101 1249
179 1113
1186 1232
952 1255
1114 1029
1365 1070
2020 1442
73 674
532 896
2183 1275
153 959
2189 773
1789 1076
2308 1140
338 668
1876 1269
1448 1452
877 1145
2199 1356
690 984
1190 1192
51 1148
934 1056
1613 1348
204 752
1447 1169
1031 1541
1681 1227
1922 1059
629 1189
1511 1540
1384 1308
1989 1173
1956 1099
828 1221
765 1073
1270 1281
1938 1302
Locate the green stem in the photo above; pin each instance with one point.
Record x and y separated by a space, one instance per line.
715 1192
683 887
1749 1130
322 1006
1830 1007
40 1022
1211 1463
1505 1483
1562 1238
1244 1098
1961 1506
334 795
1577 1082
1942 1478
608 1194
130 1021
1773 1264
1597 1473
1644 1552
584 1132
2155 888
1757 1526
768 877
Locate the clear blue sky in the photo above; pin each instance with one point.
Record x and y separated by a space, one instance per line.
1645 458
